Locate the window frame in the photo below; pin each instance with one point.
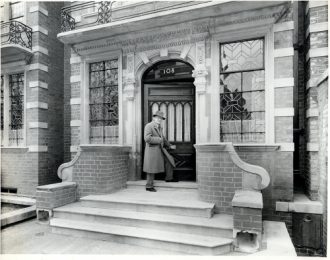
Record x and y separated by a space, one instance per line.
6 113
242 91
259 30
85 104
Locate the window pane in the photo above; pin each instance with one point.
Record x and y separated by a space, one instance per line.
238 56
231 82
17 11
103 100
178 110
254 80
16 97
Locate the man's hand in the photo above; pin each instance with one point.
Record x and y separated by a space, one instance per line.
173 147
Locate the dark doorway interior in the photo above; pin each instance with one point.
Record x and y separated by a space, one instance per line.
168 86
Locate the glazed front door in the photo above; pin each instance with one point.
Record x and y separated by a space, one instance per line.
177 101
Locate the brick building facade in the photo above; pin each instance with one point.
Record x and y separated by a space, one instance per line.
248 75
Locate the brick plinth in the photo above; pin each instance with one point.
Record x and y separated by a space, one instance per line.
101 169
219 175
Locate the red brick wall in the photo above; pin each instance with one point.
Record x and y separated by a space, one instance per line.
19 170
218 179
101 170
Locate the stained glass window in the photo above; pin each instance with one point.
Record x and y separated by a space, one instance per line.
16 98
103 100
242 92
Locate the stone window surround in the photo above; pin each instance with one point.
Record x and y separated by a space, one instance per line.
265 31
7 10
84 87
6 71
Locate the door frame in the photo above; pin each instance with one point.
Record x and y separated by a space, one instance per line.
142 81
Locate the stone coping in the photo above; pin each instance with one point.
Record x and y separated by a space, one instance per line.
14 199
56 186
14 149
229 148
300 204
247 199
256 147
104 147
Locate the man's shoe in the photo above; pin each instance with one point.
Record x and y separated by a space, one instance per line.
151 189
173 180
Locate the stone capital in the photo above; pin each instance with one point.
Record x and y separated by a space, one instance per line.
200 80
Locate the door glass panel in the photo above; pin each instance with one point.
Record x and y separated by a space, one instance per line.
164 122
154 108
178 122
170 121
187 122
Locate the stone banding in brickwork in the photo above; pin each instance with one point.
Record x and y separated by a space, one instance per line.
286 26
36 84
312 147
38 66
75 78
287 111
38 8
42 105
38 148
75 123
40 29
75 101
283 52
40 49
75 60
283 82
317 52
316 27
38 125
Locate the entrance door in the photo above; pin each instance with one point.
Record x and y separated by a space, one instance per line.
177 100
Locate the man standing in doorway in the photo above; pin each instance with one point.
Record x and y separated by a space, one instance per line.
156 158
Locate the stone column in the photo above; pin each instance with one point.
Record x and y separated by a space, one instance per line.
129 93
200 83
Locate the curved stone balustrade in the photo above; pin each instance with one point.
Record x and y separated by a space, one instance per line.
64 172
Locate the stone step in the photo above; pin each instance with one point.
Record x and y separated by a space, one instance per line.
162 185
174 241
183 203
220 225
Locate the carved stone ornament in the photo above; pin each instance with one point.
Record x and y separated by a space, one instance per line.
129 88
200 80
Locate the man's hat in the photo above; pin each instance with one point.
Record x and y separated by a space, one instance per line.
160 114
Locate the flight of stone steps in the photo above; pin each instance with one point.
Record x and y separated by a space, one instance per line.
170 219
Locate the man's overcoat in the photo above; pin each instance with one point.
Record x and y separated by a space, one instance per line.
153 156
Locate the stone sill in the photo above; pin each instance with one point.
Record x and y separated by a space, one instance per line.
56 186
14 148
247 199
300 204
257 147
222 146
102 147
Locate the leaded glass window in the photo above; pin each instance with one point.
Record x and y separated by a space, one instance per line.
242 92
16 99
103 100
